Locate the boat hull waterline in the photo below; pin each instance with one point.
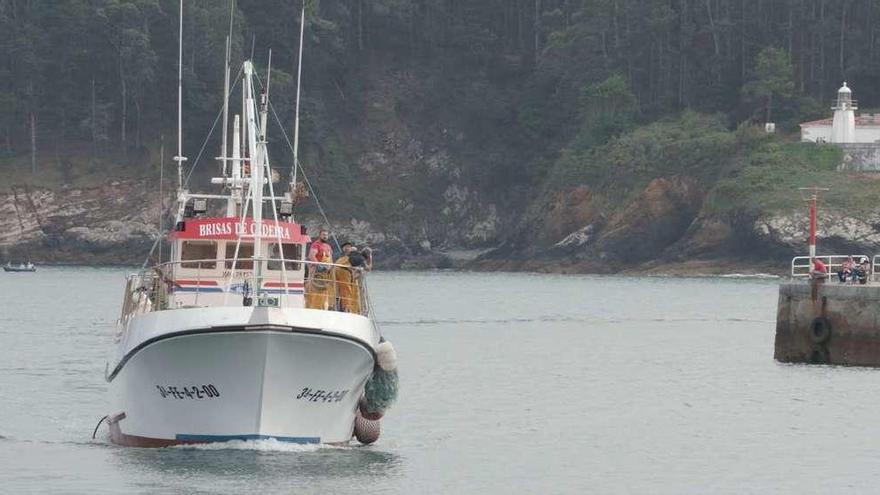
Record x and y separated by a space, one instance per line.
216 385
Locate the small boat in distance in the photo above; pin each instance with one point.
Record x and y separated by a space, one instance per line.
21 267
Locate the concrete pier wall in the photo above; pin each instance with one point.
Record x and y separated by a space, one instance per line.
829 323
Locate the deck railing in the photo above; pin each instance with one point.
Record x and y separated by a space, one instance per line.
207 283
801 265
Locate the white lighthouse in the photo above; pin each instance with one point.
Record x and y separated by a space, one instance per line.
843 128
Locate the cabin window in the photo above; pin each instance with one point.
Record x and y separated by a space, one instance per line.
245 256
291 252
193 254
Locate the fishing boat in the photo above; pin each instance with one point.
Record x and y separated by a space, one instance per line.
21 267
239 336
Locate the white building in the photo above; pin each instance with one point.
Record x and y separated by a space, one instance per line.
845 126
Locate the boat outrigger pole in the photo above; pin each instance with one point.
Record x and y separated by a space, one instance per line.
302 25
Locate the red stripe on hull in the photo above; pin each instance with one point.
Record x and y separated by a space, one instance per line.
196 282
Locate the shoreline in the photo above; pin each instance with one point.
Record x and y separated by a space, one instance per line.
722 268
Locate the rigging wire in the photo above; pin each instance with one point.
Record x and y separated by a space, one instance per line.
301 169
208 137
191 170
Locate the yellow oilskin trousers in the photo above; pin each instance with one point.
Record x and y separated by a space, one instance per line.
320 291
347 287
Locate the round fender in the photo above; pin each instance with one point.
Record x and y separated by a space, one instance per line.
366 431
820 330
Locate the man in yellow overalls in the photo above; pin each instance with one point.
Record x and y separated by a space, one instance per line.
347 276
320 290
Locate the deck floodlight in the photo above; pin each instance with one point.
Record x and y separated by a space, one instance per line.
285 209
200 206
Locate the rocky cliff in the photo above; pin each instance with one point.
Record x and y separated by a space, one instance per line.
669 228
666 228
115 222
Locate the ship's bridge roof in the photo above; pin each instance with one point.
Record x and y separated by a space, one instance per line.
232 228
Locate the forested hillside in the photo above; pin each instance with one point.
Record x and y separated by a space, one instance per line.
447 124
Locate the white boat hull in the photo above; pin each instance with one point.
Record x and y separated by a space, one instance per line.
239 383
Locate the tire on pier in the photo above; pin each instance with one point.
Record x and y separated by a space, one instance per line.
820 330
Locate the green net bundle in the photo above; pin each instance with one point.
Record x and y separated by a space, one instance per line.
381 390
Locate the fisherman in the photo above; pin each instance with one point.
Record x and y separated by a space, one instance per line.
347 274
320 247
320 289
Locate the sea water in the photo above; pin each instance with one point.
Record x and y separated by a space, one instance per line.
510 383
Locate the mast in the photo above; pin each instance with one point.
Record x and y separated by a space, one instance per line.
235 208
180 158
302 25
256 189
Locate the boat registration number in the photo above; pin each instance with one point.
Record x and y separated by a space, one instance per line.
312 395
188 392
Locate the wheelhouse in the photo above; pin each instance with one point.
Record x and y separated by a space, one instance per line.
215 261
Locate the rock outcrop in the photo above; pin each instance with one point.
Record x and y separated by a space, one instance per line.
115 222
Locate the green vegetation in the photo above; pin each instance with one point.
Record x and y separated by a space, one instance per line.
693 145
510 99
773 171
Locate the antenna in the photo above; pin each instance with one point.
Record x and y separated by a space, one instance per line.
811 196
268 73
180 158
302 25
224 149
225 153
161 179
264 107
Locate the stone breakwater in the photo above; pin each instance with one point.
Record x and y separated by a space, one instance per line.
828 324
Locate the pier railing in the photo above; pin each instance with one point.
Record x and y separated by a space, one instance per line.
228 282
801 265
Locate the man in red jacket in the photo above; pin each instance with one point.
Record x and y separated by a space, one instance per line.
819 272
320 248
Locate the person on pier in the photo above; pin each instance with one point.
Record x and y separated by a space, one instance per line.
819 272
846 269
861 271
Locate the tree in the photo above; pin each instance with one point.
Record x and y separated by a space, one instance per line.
774 78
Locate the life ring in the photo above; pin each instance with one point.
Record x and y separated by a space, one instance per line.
820 330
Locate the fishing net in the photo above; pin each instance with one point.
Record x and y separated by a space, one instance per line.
380 391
